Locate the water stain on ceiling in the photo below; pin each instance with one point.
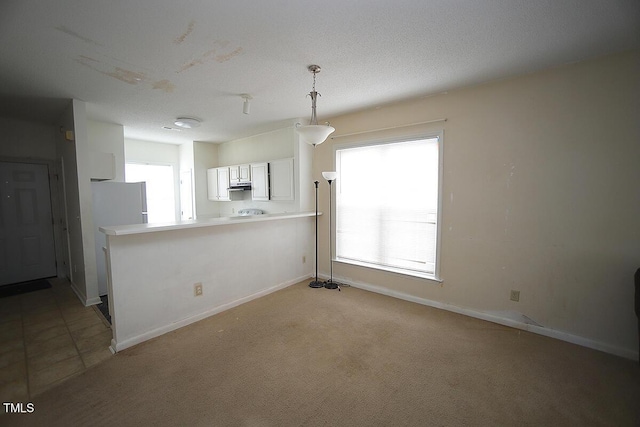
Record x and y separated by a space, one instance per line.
227 56
179 40
220 54
72 33
164 85
127 76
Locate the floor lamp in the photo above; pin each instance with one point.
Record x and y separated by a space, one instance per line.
315 283
330 177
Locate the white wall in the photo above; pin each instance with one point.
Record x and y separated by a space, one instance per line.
27 139
153 274
541 195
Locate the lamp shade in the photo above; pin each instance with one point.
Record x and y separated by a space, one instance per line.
330 176
315 134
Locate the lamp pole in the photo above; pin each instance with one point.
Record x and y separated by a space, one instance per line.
330 177
315 283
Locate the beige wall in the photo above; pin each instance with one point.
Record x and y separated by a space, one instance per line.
541 195
205 154
267 146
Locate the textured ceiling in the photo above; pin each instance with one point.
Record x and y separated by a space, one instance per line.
144 63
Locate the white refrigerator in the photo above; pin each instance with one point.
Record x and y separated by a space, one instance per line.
115 203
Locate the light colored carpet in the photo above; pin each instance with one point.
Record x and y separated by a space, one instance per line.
310 357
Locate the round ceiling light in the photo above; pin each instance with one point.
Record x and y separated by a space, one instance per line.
187 122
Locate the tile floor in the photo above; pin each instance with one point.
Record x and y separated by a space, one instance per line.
46 337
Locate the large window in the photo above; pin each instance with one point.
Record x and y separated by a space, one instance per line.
160 196
387 200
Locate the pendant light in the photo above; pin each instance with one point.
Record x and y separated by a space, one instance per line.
314 133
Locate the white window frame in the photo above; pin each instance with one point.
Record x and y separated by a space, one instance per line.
439 134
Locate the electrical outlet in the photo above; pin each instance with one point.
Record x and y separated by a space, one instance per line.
515 295
197 289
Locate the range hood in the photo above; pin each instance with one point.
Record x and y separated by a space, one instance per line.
240 186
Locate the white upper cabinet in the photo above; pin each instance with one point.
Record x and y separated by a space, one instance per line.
269 181
245 173
212 184
260 181
102 165
234 174
281 179
239 173
218 184
223 184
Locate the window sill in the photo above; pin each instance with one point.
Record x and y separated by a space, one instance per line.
400 271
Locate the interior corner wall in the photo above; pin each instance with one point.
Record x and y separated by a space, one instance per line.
205 156
540 195
304 187
68 160
75 156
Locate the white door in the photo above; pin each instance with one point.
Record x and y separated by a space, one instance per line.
27 250
186 195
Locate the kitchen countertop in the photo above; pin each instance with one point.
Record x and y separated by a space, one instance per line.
122 230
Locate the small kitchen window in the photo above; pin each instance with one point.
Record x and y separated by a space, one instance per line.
388 197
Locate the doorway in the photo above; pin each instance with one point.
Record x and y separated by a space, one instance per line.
27 249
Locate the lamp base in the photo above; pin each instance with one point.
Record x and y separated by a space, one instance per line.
316 284
330 285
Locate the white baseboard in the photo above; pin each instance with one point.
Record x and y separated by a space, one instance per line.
537 329
83 298
119 346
